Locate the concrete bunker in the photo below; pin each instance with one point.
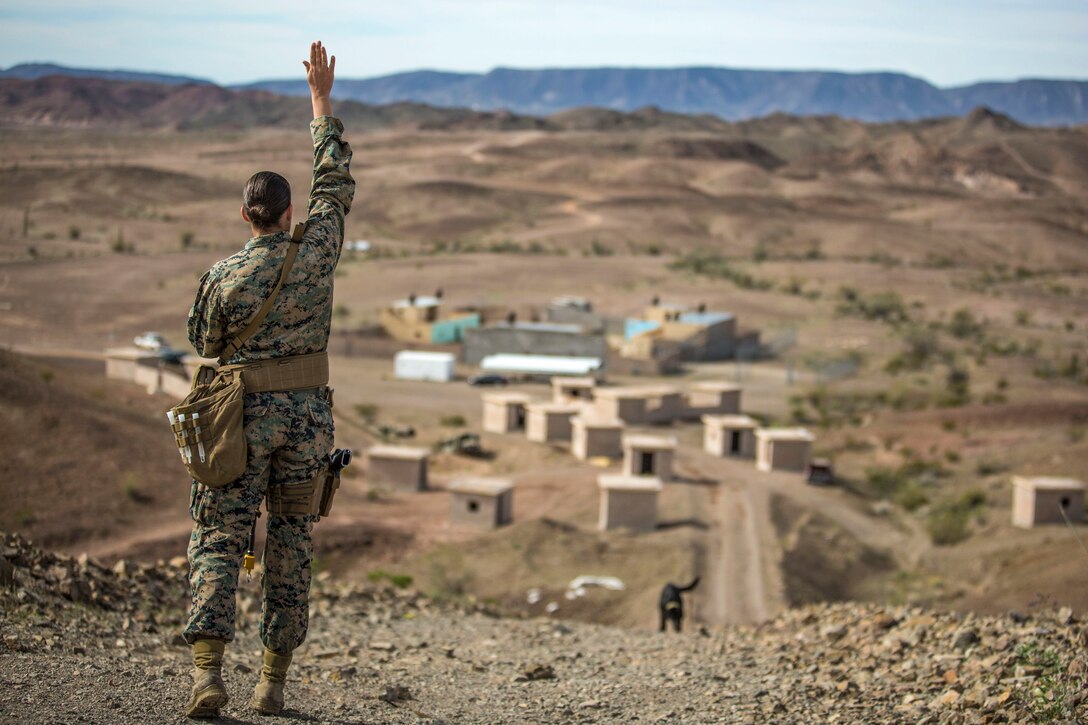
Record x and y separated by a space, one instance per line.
730 435
482 502
783 449
1043 500
592 438
712 398
550 422
642 405
628 502
403 468
648 455
573 389
505 412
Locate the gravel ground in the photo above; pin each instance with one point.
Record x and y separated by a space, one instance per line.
379 655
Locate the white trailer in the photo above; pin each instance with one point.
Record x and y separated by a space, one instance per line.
417 365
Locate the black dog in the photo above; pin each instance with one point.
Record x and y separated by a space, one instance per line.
672 605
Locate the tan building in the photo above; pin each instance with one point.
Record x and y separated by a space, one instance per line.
505 412
550 422
421 319
628 502
483 502
403 468
730 435
711 398
783 449
573 390
1041 500
591 438
648 455
641 405
124 363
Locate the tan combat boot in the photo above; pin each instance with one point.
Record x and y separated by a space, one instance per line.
209 692
268 695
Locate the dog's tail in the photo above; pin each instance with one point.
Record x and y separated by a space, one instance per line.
689 587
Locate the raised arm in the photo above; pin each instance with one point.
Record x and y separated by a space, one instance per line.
320 74
333 188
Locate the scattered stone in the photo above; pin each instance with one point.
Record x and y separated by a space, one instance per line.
531 673
383 646
396 694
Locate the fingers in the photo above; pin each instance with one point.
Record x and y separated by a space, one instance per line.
315 53
307 64
332 65
324 55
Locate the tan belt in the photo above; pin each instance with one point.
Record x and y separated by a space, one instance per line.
280 374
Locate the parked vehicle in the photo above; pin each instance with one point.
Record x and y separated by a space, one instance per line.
150 341
488 379
818 471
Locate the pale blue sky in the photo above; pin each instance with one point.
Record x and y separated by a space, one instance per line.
948 43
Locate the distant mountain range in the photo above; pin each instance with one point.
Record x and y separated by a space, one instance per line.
726 93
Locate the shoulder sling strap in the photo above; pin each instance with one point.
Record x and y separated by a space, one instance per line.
235 343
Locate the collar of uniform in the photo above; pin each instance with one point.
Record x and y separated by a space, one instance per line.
266 240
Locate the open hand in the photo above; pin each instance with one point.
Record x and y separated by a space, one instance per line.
320 70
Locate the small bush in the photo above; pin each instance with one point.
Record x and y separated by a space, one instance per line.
366 411
947 524
186 239
401 581
453 421
73 232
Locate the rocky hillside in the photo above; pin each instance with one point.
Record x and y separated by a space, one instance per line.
85 643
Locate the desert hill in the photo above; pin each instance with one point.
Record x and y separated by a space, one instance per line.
99 645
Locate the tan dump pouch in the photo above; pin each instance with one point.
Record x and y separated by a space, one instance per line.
312 498
281 374
209 431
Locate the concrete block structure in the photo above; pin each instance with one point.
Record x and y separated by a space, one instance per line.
505 412
592 438
711 398
531 338
648 455
403 468
123 363
730 435
641 405
783 449
573 390
628 502
1041 500
482 502
421 319
550 422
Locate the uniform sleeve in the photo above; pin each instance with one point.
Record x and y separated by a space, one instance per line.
333 188
206 324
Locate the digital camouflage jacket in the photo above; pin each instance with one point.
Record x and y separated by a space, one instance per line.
232 291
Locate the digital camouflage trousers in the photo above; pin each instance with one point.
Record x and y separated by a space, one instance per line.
289 436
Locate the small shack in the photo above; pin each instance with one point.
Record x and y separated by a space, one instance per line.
730 435
124 363
592 438
573 389
648 455
550 422
641 405
403 468
1042 500
420 365
628 502
483 502
783 449
505 412
712 398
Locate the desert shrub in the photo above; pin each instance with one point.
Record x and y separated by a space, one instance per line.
1054 694
911 497
25 516
600 249
366 411
714 265
32 251
341 312
453 421
1022 318
886 306
186 239
921 346
947 524
401 581
963 324
73 232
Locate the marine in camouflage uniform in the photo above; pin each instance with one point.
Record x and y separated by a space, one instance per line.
289 434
